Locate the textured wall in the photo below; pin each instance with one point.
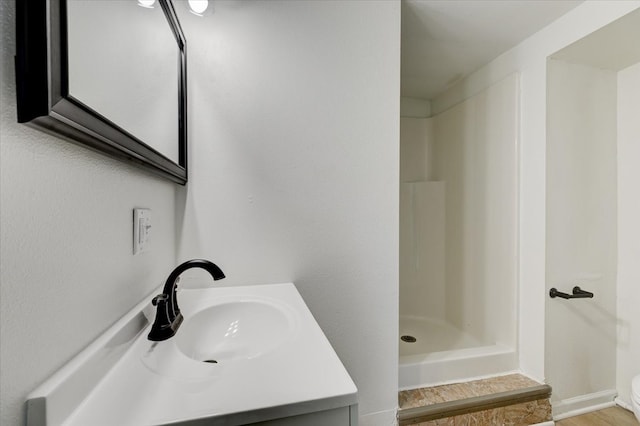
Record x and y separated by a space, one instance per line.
67 271
628 229
295 128
580 335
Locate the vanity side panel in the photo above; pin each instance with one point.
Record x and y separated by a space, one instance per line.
335 417
36 410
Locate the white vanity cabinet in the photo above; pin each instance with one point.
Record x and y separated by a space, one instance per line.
344 416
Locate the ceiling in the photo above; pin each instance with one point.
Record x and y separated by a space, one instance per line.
603 49
445 40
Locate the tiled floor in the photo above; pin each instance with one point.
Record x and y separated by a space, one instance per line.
426 396
524 414
520 414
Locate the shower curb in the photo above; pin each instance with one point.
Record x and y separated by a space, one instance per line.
409 416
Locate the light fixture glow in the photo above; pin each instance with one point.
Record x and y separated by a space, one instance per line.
146 3
198 7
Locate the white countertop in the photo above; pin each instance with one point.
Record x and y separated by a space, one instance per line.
153 383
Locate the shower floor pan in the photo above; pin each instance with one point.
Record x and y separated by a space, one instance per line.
444 354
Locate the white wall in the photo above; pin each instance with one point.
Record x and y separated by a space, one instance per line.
422 250
476 144
416 149
580 335
414 107
294 110
529 59
628 351
422 219
66 268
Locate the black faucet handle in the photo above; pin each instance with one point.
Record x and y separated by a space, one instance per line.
164 325
159 298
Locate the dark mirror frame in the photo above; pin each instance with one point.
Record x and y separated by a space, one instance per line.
43 97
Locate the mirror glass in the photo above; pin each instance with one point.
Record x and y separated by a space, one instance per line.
123 63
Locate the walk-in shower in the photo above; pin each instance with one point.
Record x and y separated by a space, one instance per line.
458 240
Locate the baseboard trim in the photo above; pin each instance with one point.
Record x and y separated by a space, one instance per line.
583 404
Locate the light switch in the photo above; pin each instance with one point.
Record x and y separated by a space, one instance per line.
141 230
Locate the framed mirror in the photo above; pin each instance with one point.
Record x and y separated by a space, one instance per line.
107 74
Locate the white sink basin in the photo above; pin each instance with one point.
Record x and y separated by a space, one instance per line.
243 329
273 361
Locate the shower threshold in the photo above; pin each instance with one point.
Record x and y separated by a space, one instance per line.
506 398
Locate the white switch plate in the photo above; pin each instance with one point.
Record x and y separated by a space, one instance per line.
141 230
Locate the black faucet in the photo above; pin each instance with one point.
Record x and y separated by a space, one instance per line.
168 316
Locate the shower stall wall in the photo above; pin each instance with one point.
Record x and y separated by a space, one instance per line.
458 240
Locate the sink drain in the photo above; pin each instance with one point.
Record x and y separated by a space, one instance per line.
408 339
210 361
